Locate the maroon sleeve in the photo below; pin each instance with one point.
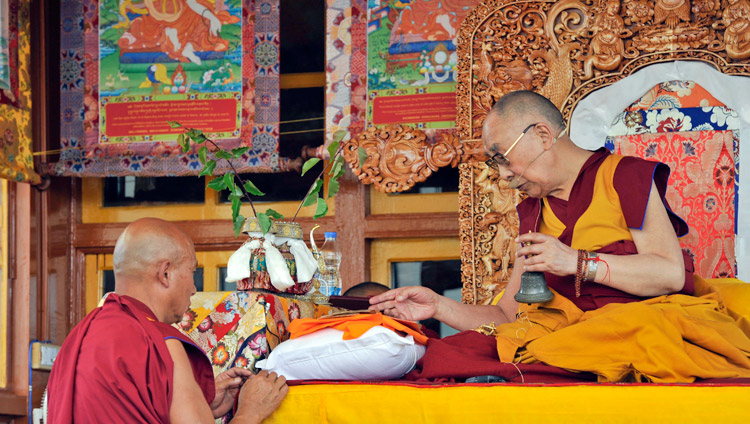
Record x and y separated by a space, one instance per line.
528 211
632 181
202 369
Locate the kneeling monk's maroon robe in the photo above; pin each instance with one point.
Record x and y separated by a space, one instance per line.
115 367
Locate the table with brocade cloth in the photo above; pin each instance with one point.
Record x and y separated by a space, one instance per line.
239 328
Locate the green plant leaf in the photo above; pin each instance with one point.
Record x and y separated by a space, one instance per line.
338 168
174 124
208 168
221 154
238 221
252 189
273 214
333 187
197 136
183 142
202 154
362 156
237 191
313 196
236 203
339 135
238 152
309 164
229 181
332 148
321 209
217 184
264 221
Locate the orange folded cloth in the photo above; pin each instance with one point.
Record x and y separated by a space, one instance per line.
354 326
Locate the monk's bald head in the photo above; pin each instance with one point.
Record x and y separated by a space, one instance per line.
147 242
525 106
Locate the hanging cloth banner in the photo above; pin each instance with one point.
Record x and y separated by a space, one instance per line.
129 67
16 162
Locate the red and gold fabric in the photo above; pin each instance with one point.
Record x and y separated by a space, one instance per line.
682 125
16 160
240 328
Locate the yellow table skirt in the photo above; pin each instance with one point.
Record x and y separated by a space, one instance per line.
595 403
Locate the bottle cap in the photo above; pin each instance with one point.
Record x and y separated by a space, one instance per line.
330 234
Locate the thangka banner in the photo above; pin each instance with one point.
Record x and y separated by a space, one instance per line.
16 162
412 61
128 67
181 63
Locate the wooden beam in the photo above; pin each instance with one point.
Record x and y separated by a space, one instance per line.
410 225
302 80
206 235
11 404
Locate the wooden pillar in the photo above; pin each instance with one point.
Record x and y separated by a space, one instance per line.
352 207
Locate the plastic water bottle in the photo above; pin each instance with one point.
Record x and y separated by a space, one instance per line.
330 280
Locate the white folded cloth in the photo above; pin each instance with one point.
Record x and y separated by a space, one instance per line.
303 257
238 266
276 265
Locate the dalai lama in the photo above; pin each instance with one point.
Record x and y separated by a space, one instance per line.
627 306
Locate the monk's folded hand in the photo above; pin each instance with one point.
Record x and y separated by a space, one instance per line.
228 385
412 303
260 396
545 253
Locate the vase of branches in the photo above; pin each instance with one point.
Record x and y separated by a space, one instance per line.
274 256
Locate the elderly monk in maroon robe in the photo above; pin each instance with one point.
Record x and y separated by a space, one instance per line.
599 227
125 363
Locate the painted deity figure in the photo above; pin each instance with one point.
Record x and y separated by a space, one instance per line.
179 28
607 48
736 18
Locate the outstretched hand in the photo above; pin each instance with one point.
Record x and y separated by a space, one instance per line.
412 303
260 396
228 385
547 254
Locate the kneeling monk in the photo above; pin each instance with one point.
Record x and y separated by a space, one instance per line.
125 363
599 227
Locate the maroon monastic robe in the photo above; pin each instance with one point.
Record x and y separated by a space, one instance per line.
114 367
631 182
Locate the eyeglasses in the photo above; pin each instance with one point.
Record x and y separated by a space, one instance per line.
501 159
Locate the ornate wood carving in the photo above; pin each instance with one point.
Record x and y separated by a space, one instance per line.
399 156
569 48
488 224
565 50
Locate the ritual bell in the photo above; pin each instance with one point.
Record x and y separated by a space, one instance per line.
533 288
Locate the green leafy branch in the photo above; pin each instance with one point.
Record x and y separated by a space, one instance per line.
335 169
230 179
239 187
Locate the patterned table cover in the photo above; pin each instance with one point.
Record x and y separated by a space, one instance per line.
242 327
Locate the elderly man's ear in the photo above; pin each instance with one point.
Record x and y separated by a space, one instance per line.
544 132
162 273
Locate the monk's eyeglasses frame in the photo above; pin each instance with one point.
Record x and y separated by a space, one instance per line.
501 159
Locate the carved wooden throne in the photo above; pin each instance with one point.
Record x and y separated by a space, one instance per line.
564 50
